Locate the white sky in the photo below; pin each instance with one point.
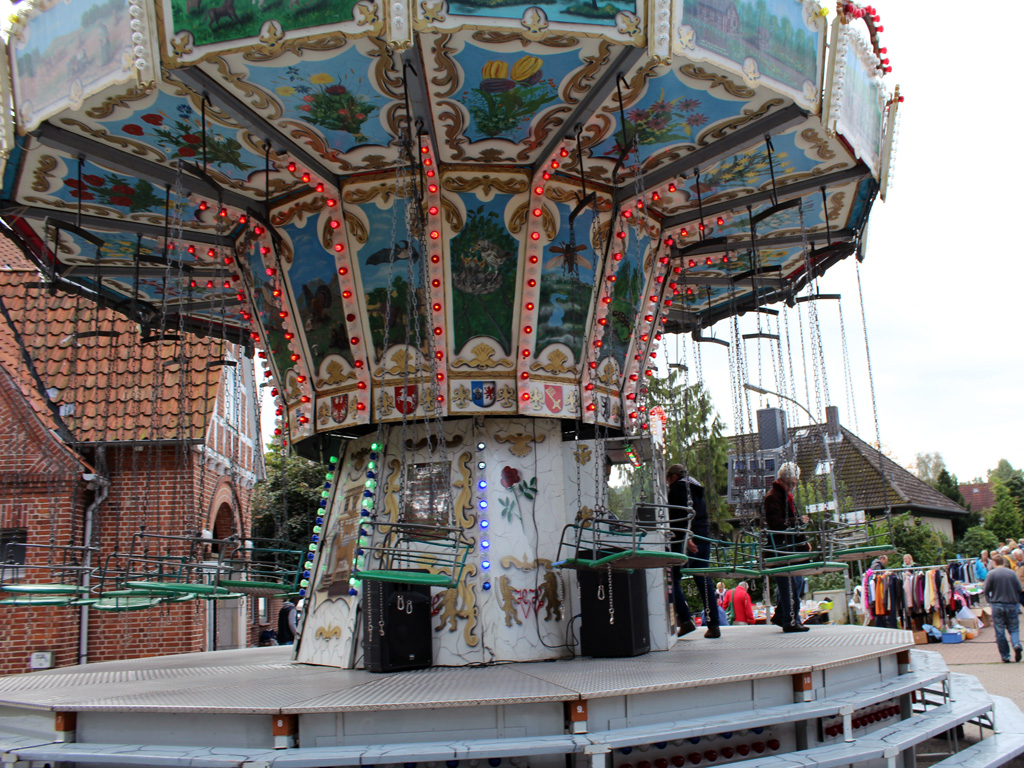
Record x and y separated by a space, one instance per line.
944 275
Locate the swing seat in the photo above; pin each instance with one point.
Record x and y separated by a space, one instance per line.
608 542
625 560
726 559
255 588
407 577
805 569
859 553
176 587
44 589
31 599
120 604
413 553
267 568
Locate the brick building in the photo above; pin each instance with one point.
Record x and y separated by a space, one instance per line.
118 455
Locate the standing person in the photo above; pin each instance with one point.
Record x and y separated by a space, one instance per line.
780 516
1002 590
742 606
1017 564
719 592
684 492
908 560
287 628
982 566
879 564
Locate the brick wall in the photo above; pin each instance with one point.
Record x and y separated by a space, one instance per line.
158 496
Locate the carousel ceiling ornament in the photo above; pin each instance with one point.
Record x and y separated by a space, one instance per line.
430 209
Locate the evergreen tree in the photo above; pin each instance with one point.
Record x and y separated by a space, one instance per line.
1004 472
1004 517
948 486
693 438
975 540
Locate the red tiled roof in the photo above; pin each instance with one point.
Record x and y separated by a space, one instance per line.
978 496
105 384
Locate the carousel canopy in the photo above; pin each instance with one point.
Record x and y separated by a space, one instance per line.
428 209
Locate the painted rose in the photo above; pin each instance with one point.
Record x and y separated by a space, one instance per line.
120 200
122 189
92 180
335 90
133 129
509 476
191 138
154 119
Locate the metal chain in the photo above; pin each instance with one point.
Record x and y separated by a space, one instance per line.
851 403
867 353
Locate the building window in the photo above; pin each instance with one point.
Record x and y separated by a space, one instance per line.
229 383
12 550
262 610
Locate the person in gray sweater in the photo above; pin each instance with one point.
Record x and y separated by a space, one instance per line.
1002 590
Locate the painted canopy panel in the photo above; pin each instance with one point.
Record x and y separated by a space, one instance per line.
452 207
78 48
776 41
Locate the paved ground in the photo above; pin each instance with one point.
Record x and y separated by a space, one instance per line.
980 657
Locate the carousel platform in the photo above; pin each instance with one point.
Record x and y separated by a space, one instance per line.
833 696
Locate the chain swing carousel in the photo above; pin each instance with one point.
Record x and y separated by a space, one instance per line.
459 233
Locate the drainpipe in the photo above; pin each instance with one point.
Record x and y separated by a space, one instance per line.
100 484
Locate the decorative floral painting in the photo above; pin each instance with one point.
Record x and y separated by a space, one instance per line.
510 90
326 102
655 122
484 259
172 125
337 98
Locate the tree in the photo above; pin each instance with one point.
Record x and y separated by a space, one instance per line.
909 534
1004 517
975 540
693 438
948 486
1004 472
285 504
928 467
1015 487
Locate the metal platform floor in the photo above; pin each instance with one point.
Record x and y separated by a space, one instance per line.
267 681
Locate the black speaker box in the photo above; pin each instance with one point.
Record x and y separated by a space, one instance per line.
406 639
630 634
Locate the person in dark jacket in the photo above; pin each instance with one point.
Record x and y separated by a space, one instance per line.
1002 590
781 518
287 629
685 493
